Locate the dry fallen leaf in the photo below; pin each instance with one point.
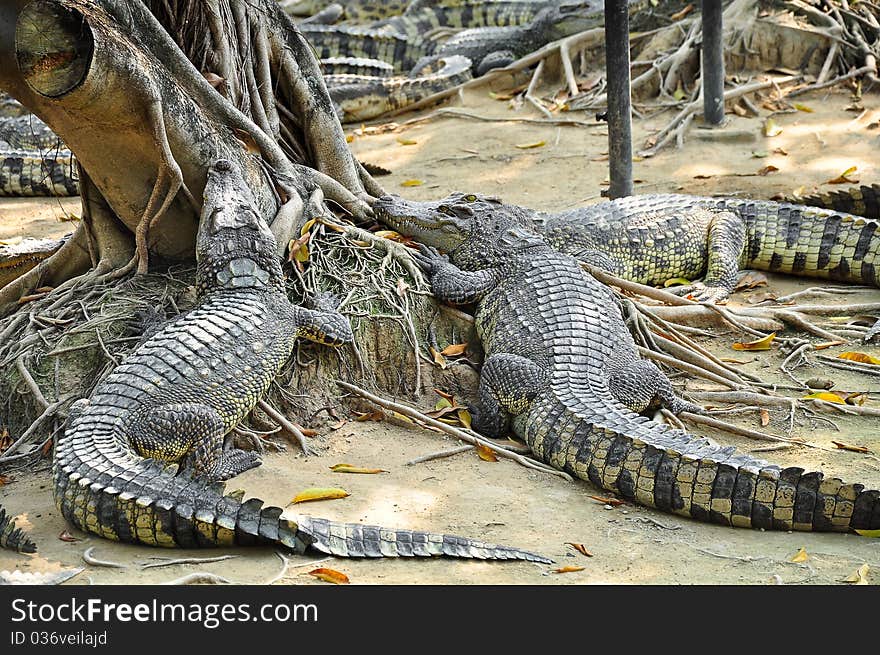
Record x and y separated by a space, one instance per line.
329 575
844 178
406 142
579 548
751 280
759 344
854 449
675 281
770 168
464 417
485 453
66 536
47 448
568 569
349 468
375 415
765 418
681 14
338 424
443 394
443 403
859 576
319 493
800 556
439 359
411 183
454 349
803 108
614 502
827 396
401 287
859 357
874 534
820 383
771 128
527 146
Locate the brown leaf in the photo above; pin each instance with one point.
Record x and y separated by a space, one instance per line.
819 383
751 280
47 448
844 178
579 548
702 176
349 468
247 140
448 396
681 14
780 151
855 449
454 349
319 493
213 79
329 575
859 357
765 418
375 415
759 344
439 360
568 569
338 424
769 168
855 398
485 453
614 502
4 480
66 536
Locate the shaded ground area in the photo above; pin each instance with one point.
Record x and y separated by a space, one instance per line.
502 501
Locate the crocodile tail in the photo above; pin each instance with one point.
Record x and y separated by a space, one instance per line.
356 540
32 173
810 241
859 200
12 537
102 488
657 466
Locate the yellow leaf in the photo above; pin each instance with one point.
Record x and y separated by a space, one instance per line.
569 569
579 548
411 183
760 344
771 128
307 226
854 449
454 349
439 359
442 403
765 418
679 93
301 254
674 281
485 453
859 576
348 468
800 556
388 234
855 398
349 138
319 493
844 178
329 575
526 146
464 417
859 357
874 534
827 396
801 107
377 415
406 142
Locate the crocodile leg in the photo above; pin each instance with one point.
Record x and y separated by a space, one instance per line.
640 385
508 384
726 240
497 59
451 284
193 432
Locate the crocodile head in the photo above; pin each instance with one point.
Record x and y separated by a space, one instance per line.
476 231
564 19
234 247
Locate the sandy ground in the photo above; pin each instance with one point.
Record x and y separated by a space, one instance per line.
502 501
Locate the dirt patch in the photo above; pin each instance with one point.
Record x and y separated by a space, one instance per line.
503 502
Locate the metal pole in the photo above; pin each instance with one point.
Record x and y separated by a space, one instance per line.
712 67
619 108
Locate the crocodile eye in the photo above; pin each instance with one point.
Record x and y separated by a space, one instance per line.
471 198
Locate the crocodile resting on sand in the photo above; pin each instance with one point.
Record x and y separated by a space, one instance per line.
362 97
653 238
142 460
561 371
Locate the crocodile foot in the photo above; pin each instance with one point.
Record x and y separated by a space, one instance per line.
701 292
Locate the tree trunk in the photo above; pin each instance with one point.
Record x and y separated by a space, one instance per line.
147 94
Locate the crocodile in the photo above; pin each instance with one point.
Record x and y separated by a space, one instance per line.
561 372
495 47
361 11
653 238
18 258
359 41
142 459
12 537
361 97
861 200
33 160
356 66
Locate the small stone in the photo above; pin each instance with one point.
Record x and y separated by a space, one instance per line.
608 507
625 511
